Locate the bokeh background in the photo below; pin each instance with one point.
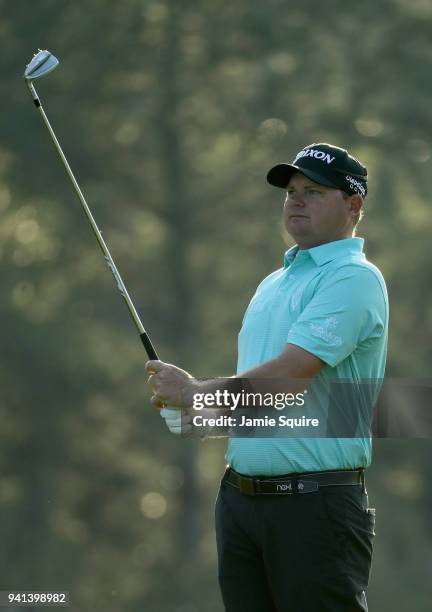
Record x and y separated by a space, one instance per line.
170 114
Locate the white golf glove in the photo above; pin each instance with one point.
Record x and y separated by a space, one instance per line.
178 421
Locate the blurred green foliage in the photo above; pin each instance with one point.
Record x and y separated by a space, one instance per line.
170 114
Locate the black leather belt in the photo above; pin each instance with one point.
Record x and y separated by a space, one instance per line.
290 484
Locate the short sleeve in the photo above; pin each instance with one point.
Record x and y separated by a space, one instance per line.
348 308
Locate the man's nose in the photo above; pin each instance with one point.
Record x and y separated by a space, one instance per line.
295 199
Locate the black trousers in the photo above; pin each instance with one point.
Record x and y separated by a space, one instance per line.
307 552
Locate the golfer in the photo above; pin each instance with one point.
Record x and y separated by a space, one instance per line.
293 524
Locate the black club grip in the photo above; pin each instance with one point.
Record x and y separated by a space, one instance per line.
148 346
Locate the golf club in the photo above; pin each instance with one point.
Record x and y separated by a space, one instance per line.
41 64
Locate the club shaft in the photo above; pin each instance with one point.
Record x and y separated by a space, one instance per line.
120 284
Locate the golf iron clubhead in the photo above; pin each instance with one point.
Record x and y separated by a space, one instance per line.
41 63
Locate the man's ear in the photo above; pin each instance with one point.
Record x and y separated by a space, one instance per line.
356 202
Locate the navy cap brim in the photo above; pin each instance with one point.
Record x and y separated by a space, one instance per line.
280 175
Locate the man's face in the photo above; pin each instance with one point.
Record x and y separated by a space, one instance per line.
315 214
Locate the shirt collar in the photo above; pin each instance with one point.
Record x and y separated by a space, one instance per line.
324 253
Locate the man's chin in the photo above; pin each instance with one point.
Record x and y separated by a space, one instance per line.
304 240
296 232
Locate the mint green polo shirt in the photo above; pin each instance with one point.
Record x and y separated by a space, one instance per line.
332 302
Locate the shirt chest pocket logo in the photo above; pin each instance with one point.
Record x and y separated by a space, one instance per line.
257 306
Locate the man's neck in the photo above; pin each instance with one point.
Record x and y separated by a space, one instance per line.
304 247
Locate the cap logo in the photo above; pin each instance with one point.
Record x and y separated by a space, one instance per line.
316 153
356 185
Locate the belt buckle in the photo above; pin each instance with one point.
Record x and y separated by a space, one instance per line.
247 485
295 485
285 487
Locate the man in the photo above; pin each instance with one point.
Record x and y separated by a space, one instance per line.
294 530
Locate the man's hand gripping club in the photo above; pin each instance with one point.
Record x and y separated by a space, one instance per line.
171 386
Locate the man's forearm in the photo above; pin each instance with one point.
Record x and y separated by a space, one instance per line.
215 421
274 375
